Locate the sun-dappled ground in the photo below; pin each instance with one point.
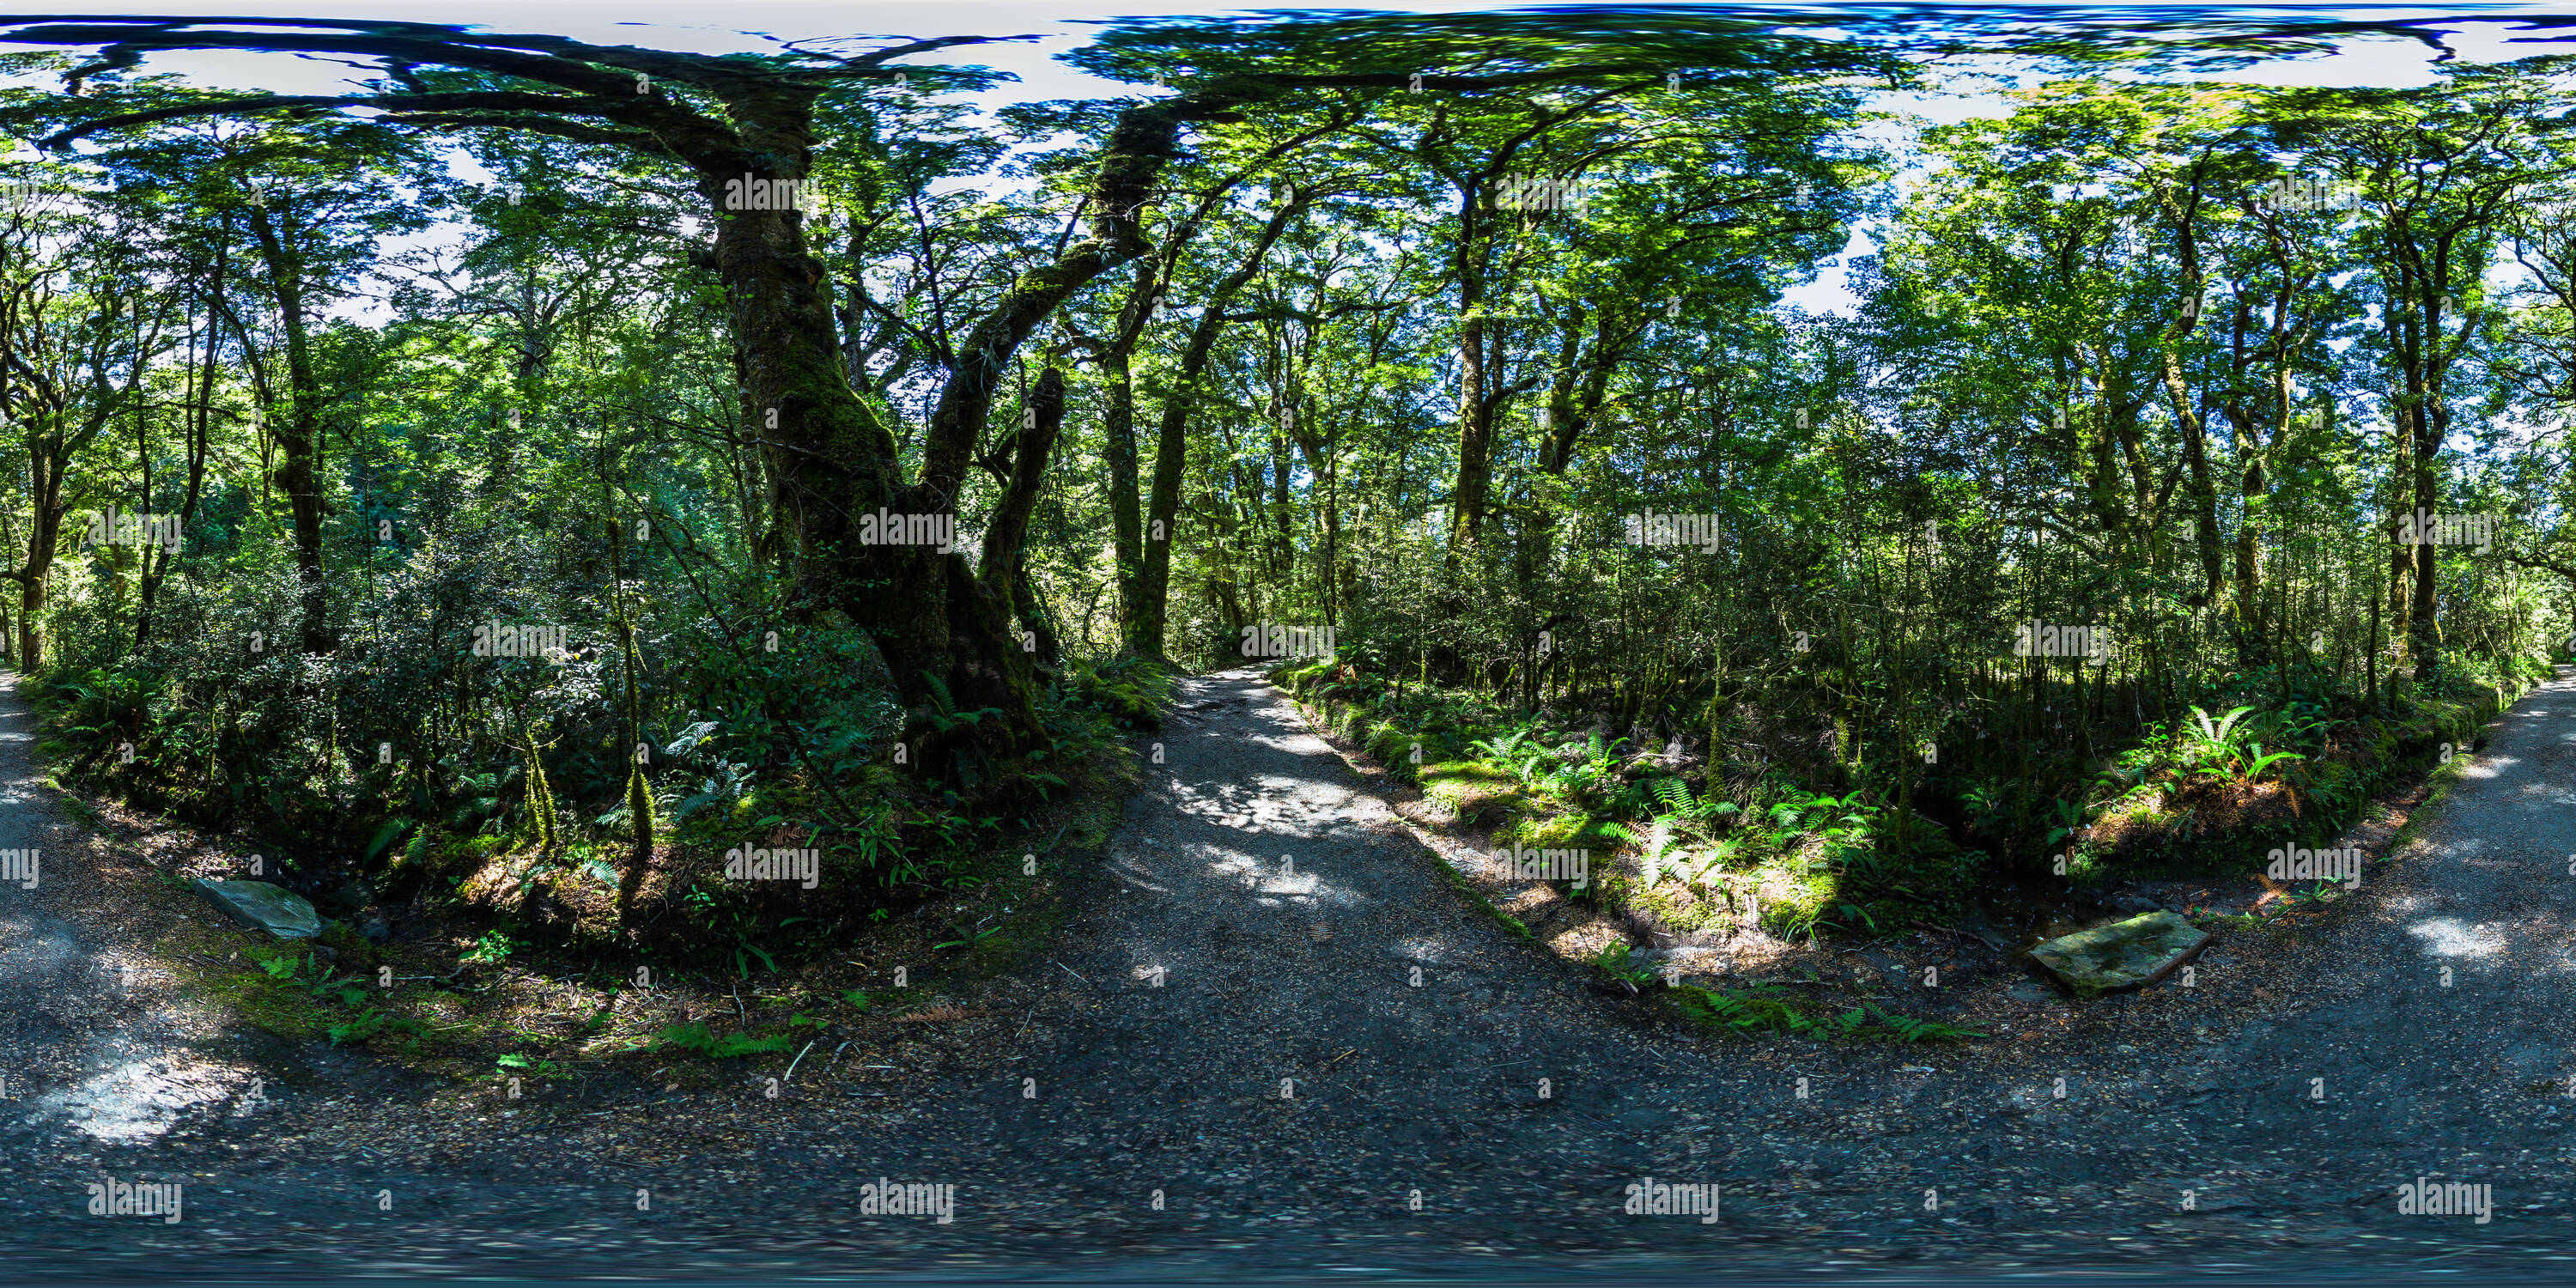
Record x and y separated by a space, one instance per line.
1269 1026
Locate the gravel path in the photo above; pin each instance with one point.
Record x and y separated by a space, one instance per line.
1233 1019
98 1045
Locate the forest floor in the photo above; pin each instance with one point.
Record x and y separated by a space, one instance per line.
1229 1021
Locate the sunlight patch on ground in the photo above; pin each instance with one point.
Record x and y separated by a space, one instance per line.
1274 881
1429 952
142 1099
1289 804
2489 765
1295 744
44 951
2452 937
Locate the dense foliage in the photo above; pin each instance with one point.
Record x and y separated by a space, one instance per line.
507 467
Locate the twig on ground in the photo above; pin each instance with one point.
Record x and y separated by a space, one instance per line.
800 1059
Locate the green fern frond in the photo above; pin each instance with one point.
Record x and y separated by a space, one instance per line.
940 700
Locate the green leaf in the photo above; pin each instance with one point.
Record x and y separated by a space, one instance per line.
385 836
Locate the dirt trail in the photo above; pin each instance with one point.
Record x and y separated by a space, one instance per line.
1289 1089
98 1045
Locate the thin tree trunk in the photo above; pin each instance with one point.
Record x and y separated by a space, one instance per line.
299 437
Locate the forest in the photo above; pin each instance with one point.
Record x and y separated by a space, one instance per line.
547 466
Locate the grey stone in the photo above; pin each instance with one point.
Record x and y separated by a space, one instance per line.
2140 950
278 911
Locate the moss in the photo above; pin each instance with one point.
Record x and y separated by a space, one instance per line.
1131 689
1352 726
1670 903
1793 906
1576 830
1300 676
354 950
1471 789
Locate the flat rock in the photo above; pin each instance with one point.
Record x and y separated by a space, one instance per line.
278 911
2140 950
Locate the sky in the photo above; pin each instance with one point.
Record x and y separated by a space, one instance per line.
746 25
740 25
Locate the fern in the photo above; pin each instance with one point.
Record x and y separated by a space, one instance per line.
1908 1029
2215 740
944 714
1712 859
1675 796
1754 1009
1614 960
2262 762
